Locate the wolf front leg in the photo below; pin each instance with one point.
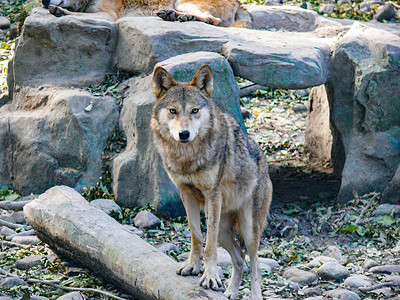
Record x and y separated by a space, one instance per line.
191 200
213 203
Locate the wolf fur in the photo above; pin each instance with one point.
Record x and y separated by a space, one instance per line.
218 168
215 12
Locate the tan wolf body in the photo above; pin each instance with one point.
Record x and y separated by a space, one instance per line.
218 168
215 12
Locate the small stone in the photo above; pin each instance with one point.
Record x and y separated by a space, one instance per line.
146 220
299 276
183 256
18 217
29 262
13 32
4 23
394 278
314 298
311 292
106 205
319 261
4 97
26 240
294 286
334 252
7 231
386 209
369 263
166 247
387 269
299 108
71 296
365 6
385 12
10 282
357 281
327 8
38 298
273 264
343 294
333 271
23 233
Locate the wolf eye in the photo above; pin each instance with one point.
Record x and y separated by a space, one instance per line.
172 111
195 111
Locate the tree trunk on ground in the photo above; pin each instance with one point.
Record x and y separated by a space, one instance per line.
63 219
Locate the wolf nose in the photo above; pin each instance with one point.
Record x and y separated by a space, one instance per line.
46 3
184 135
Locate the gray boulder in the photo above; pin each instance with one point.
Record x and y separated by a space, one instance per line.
275 59
68 51
300 276
146 220
47 139
333 271
106 205
138 174
365 109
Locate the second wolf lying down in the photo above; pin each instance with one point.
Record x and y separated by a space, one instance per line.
218 168
215 12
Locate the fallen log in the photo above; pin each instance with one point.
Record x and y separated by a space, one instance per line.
63 219
13 205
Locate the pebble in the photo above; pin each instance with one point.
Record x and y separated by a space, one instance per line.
356 281
273 264
26 240
18 217
5 231
334 252
29 262
299 108
300 276
246 114
386 209
30 232
343 294
4 23
333 271
106 205
319 261
387 269
71 296
311 292
385 12
10 282
38 298
146 220
369 263
166 247
327 8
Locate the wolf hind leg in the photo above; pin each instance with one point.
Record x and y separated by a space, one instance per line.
227 240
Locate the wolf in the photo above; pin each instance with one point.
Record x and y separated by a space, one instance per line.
216 167
215 12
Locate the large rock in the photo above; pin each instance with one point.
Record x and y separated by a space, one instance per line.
365 109
67 51
138 174
275 59
49 139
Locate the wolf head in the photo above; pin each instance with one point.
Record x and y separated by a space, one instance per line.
183 109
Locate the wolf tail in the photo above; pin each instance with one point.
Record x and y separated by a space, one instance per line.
243 18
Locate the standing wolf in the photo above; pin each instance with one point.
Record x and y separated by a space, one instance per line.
214 12
217 168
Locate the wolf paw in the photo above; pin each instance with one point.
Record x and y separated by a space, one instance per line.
186 18
210 281
230 294
189 268
57 11
167 15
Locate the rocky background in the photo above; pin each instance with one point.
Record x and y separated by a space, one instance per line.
79 102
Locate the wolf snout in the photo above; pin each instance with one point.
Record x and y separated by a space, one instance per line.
184 136
46 3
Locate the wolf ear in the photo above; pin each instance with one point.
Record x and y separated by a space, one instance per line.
162 82
203 80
